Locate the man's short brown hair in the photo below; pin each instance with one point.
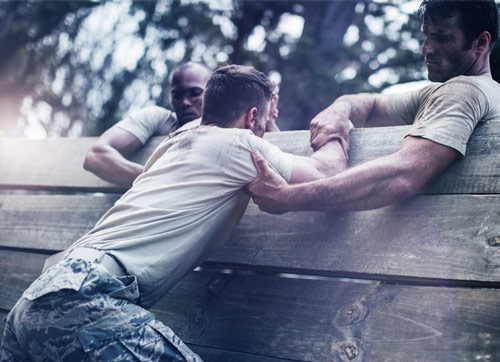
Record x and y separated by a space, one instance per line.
232 91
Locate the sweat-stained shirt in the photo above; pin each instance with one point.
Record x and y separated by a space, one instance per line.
447 113
183 206
148 122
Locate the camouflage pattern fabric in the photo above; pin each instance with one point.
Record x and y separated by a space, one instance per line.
77 311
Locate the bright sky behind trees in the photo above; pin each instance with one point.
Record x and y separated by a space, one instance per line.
75 68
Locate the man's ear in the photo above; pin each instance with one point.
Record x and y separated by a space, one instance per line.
251 118
482 42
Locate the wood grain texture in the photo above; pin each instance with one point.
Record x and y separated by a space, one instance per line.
17 271
429 236
221 355
325 320
3 314
59 168
49 222
449 232
313 320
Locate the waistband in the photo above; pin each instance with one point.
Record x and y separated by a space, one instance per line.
101 257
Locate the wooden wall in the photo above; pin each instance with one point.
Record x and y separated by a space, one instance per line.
416 281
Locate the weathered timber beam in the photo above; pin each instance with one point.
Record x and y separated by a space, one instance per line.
447 237
56 164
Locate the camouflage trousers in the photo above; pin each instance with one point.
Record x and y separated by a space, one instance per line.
77 311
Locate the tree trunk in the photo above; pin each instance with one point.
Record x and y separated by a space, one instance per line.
308 84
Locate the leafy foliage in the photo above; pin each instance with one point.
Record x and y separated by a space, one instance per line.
74 68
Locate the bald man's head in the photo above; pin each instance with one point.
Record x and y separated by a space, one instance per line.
188 84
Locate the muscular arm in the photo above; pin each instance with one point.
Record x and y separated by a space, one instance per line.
363 110
327 161
107 157
374 184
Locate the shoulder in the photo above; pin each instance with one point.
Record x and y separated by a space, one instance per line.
149 121
247 139
239 134
239 143
463 85
153 112
158 120
461 89
416 93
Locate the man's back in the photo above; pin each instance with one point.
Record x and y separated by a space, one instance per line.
183 206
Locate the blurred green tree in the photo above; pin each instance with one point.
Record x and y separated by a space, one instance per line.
29 37
75 68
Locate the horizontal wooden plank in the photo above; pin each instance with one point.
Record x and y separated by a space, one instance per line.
325 320
3 314
17 271
49 222
47 164
316 320
429 236
59 161
477 172
221 355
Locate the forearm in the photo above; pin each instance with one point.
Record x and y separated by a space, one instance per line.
330 159
375 183
363 110
372 185
358 108
108 164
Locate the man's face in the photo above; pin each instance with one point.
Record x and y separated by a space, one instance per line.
446 51
188 86
259 126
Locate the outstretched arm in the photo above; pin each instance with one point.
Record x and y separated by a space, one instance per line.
327 161
107 157
374 184
360 110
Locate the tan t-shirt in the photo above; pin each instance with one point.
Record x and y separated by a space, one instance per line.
183 206
148 122
447 113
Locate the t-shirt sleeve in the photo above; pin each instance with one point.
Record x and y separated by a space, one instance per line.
240 166
403 107
280 161
450 114
149 122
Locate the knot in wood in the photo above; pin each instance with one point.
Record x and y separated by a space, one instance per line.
494 240
216 285
350 314
351 351
352 311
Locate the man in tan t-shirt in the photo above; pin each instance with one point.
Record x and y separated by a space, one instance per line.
108 157
459 37
92 302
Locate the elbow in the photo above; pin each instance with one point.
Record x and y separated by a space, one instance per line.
328 172
329 169
408 187
87 163
91 159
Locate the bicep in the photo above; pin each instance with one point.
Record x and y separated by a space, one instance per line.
425 159
121 140
379 115
304 169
